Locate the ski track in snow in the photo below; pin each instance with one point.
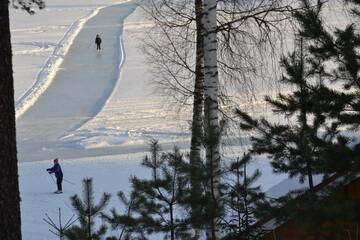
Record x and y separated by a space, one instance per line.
106 96
62 83
46 75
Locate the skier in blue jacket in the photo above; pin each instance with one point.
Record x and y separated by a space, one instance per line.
58 174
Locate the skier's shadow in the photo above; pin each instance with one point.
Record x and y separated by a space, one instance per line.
98 54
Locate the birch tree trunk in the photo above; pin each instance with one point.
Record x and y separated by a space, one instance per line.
10 223
211 108
197 122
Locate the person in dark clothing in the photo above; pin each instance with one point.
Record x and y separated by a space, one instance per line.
98 42
58 174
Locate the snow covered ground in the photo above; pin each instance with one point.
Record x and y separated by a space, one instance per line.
37 37
110 174
78 90
134 113
105 141
58 116
131 113
94 111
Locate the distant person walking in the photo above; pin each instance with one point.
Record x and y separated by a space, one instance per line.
98 42
58 174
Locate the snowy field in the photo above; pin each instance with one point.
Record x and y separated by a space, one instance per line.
110 175
94 111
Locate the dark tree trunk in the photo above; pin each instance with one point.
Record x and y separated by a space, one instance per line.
172 224
304 148
197 121
198 105
10 223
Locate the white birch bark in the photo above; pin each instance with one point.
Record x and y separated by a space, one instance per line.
211 106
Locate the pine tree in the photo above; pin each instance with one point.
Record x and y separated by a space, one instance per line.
10 221
164 203
242 198
87 211
293 146
158 200
340 49
60 228
209 210
330 109
126 223
9 197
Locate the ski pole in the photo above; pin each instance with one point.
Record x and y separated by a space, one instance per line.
69 181
52 178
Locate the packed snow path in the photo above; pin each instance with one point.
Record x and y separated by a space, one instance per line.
80 88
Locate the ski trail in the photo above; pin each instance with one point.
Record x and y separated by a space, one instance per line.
78 89
106 96
46 75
